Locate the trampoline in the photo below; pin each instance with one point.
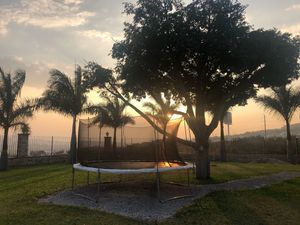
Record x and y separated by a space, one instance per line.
138 149
131 167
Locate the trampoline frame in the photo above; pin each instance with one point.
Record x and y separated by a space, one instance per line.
157 170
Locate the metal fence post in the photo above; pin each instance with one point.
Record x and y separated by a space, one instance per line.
51 150
297 146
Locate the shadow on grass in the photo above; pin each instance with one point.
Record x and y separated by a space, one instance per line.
22 173
218 208
236 212
32 180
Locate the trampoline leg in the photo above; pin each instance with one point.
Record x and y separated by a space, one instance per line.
193 167
88 178
98 187
158 185
188 177
73 178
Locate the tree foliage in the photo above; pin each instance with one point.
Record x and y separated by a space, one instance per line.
14 111
68 97
163 110
282 101
205 54
113 113
63 94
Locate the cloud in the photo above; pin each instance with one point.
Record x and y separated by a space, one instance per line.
293 8
75 2
3 28
294 29
37 73
44 14
95 34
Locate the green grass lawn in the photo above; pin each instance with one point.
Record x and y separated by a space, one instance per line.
21 188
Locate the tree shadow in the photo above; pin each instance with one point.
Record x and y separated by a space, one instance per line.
235 210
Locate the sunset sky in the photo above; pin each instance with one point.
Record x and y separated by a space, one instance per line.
37 35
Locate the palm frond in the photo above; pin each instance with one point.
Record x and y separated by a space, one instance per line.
126 120
283 101
64 95
18 82
111 113
14 112
23 126
22 110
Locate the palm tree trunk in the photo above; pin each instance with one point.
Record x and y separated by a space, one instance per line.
4 155
222 142
164 143
288 142
73 147
115 142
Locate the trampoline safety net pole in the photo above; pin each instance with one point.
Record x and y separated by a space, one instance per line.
156 141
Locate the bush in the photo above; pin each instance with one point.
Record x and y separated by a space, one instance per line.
254 145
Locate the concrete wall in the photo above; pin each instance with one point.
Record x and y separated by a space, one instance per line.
22 148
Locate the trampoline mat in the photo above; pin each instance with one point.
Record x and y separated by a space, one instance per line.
132 164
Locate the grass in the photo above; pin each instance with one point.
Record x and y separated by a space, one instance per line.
275 205
222 172
21 188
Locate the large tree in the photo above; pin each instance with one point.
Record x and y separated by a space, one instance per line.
68 97
205 54
282 101
13 111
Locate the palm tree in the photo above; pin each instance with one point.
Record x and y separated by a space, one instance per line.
225 119
283 101
68 97
112 114
13 112
162 114
100 118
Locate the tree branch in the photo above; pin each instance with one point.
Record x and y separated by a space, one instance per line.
149 120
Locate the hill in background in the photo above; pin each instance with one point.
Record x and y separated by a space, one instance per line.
281 132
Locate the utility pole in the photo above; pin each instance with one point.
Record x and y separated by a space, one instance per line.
228 131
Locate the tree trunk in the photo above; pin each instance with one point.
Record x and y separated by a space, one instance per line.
73 147
288 142
202 160
4 155
222 142
115 142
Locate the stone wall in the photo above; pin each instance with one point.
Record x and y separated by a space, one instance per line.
38 160
22 148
